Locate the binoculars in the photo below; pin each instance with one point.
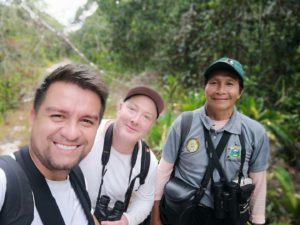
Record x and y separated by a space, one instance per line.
225 200
232 200
104 213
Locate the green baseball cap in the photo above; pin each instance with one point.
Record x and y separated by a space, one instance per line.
226 64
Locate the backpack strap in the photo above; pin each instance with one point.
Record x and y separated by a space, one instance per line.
106 154
78 183
186 122
185 126
107 145
43 198
18 205
145 162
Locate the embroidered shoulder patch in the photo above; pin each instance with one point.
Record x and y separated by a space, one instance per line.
192 145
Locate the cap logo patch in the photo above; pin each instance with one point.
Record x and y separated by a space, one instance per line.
192 145
229 61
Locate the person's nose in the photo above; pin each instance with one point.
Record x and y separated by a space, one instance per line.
135 118
71 131
221 88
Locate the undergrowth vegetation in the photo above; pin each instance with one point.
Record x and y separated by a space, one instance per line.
175 40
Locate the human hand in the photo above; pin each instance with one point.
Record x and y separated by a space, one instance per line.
122 221
155 215
156 221
96 221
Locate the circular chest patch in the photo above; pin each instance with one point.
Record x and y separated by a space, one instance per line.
192 145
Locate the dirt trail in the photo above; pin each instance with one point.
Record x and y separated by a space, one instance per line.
15 129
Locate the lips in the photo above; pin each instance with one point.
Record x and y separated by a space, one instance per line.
220 99
131 128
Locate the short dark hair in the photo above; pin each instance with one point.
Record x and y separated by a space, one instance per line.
241 83
79 74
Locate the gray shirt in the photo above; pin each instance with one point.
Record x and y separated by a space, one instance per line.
193 158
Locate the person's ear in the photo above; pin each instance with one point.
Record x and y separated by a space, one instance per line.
32 117
241 92
119 105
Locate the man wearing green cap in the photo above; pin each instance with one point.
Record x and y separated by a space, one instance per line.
221 153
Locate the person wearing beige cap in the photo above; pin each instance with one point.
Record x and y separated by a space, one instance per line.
120 170
213 169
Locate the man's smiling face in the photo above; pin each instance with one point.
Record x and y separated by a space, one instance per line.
222 91
63 128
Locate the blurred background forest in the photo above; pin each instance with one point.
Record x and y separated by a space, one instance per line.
167 44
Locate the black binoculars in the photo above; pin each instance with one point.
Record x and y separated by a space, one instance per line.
232 200
225 200
104 213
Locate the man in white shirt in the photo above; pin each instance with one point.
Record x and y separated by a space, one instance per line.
68 107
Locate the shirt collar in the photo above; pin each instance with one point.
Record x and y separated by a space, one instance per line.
234 125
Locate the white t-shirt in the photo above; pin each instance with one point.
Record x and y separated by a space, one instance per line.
116 179
66 199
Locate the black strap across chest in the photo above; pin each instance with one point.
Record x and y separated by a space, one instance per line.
214 155
145 163
44 201
78 183
18 205
185 126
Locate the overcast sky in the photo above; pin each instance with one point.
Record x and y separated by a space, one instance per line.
63 10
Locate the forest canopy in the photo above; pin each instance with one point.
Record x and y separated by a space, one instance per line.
172 42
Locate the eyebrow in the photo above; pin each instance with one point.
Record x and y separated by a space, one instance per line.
54 109
146 112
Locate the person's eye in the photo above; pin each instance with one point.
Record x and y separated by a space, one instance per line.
57 117
231 83
132 108
147 117
87 122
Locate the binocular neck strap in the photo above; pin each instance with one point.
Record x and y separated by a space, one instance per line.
145 161
106 154
214 154
243 156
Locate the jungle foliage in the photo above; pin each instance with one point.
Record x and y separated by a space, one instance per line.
180 38
176 41
26 46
